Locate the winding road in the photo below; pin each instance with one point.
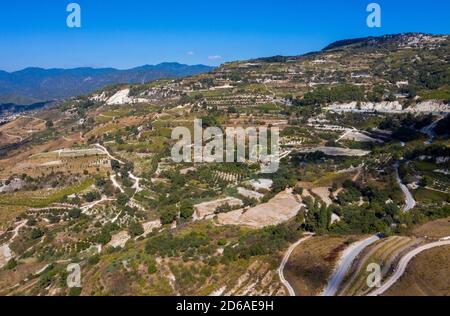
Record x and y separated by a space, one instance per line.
137 181
6 253
347 258
103 148
283 264
352 252
410 203
116 184
403 264
429 130
89 206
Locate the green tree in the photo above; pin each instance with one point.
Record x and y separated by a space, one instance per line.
115 165
122 199
75 213
186 209
104 237
11 264
168 215
425 181
36 233
135 229
324 217
92 196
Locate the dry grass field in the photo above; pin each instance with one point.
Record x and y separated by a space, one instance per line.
65 161
111 126
435 230
427 274
15 157
312 263
20 129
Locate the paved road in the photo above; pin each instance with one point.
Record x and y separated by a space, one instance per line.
410 203
403 264
345 263
283 264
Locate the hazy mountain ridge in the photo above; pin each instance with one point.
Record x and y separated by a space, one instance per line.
8 108
31 85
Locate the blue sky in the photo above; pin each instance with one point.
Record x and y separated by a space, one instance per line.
125 34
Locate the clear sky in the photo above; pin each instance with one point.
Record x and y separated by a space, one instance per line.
129 33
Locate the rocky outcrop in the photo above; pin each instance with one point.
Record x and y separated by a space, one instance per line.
390 107
119 98
366 107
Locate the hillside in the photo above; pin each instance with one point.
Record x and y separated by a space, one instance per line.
399 69
365 144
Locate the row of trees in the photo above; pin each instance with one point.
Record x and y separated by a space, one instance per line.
321 95
266 241
168 245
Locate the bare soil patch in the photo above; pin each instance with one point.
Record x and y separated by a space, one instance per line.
281 208
20 129
208 208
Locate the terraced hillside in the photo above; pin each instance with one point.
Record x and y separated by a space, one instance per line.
364 147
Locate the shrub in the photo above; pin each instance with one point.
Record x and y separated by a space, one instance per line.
94 260
186 210
168 215
36 233
103 238
151 268
75 213
122 199
75 291
11 264
135 229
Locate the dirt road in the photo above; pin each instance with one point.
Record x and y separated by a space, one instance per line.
345 263
403 264
285 260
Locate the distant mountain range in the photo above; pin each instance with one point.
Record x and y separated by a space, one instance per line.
33 85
